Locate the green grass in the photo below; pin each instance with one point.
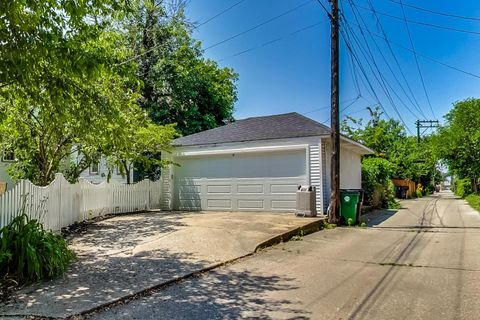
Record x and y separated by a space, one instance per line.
474 201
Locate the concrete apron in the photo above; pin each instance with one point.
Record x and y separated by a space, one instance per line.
126 256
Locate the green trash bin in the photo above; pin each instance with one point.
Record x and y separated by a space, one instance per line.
348 205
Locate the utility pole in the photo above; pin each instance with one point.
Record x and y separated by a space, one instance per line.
333 209
425 124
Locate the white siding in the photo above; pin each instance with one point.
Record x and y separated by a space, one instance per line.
102 174
316 174
350 168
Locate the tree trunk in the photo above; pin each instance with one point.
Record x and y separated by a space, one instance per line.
127 171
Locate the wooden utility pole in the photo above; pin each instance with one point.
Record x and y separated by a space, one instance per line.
333 209
425 124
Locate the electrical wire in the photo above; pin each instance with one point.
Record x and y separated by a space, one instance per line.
386 62
416 59
415 101
219 14
196 27
419 22
380 79
272 41
258 25
417 53
445 14
346 40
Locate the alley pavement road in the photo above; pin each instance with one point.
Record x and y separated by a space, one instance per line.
421 262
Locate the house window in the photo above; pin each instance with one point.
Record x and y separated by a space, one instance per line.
94 168
8 156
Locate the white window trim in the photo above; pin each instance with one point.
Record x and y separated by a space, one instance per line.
94 173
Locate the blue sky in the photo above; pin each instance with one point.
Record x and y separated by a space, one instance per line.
293 73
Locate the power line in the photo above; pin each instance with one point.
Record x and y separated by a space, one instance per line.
323 108
350 104
417 53
419 22
362 69
416 59
325 8
451 15
196 27
396 61
386 62
272 41
219 14
258 25
380 79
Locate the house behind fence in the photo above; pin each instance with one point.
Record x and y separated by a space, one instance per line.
61 203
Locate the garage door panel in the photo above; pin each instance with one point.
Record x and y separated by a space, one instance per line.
276 188
216 204
255 182
250 188
214 189
253 204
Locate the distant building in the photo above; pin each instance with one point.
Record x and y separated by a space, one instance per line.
96 173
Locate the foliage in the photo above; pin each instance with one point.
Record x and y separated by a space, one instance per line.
45 34
179 85
139 145
388 139
463 187
376 174
63 92
29 253
418 193
474 201
407 158
458 141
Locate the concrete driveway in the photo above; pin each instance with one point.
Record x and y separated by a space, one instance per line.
421 262
126 254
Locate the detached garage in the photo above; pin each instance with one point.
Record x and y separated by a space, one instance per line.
256 164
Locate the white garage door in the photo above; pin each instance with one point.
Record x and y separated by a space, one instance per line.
240 182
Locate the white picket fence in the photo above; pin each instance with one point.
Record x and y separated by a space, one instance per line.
61 203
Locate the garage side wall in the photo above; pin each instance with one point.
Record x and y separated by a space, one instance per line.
350 169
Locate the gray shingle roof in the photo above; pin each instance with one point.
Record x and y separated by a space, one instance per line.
288 125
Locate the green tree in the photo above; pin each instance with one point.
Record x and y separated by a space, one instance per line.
457 142
69 90
138 147
179 85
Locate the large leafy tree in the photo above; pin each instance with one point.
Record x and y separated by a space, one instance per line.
65 87
179 85
458 141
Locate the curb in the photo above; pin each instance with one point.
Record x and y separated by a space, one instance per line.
308 228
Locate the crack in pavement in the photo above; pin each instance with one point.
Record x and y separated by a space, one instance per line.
411 265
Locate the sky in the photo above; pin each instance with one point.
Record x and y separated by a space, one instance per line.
284 64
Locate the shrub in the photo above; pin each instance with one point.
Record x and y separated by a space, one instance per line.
463 187
474 201
376 183
29 253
